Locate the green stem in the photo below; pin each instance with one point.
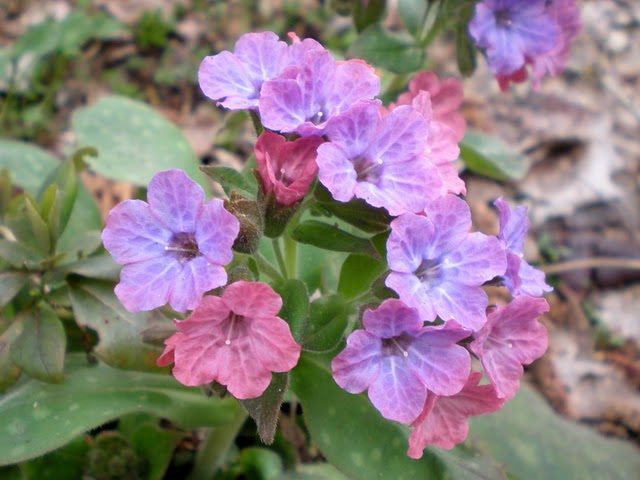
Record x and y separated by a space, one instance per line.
291 255
213 452
277 251
265 266
430 26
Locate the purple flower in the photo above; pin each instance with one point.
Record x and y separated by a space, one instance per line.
512 337
513 32
307 95
369 157
520 277
173 249
437 266
237 77
398 359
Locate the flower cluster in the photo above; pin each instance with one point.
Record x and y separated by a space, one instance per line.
517 33
322 121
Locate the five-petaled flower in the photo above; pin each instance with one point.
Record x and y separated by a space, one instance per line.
369 156
438 267
236 340
398 359
173 248
512 337
444 421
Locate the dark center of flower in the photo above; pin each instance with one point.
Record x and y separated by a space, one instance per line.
503 18
183 247
235 326
319 117
367 170
397 346
428 270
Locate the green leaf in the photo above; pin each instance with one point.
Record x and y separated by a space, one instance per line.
266 408
355 212
11 283
9 372
20 255
380 47
96 306
39 228
5 191
27 163
488 156
367 13
354 437
411 12
329 317
532 441
230 179
134 141
330 237
85 217
155 445
40 347
40 417
50 212
65 177
295 306
100 267
67 462
260 464
315 471
357 274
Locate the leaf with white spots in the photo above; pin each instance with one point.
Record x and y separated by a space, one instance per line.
134 142
39 417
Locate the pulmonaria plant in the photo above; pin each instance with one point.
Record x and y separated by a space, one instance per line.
517 33
367 174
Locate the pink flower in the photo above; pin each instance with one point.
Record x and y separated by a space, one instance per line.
446 99
512 337
286 168
444 421
235 339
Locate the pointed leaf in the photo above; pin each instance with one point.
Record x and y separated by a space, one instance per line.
488 156
11 282
330 237
357 274
329 316
355 212
39 228
19 255
295 306
40 417
40 347
265 409
230 179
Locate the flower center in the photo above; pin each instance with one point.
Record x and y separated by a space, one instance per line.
397 345
367 170
183 247
503 18
318 118
236 327
429 270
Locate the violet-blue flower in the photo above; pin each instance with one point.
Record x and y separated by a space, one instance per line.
238 77
512 32
520 277
306 96
173 248
369 156
437 266
398 359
